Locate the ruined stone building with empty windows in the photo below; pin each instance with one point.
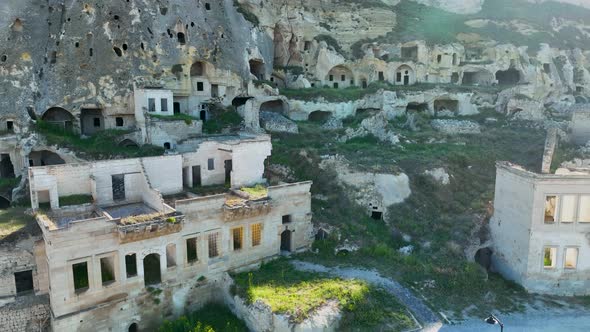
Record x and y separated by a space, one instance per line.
540 229
148 245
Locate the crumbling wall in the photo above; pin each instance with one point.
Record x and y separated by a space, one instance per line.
26 314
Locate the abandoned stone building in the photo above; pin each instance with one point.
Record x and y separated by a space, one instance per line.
539 229
145 248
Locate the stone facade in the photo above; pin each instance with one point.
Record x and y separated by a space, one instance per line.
540 229
141 259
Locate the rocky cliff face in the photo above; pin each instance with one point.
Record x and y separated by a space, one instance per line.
83 53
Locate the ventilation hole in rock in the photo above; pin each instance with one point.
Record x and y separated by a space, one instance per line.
116 17
483 257
376 215
163 10
150 31
124 47
3 58
91 52
208 6
142 46
77 44
118 51
193 24
181 38
17 26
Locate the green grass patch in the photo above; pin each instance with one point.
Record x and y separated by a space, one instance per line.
442 216
248 15
100 146
188 119
209 190
356 93
298 294
12 220
436 26
257 192
75 200
222 118
6 184
211 318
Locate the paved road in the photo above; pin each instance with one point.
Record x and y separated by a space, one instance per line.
537 321
429 320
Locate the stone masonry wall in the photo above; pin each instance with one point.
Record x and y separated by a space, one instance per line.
29 313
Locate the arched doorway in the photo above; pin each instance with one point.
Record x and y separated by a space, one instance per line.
319 116
198 69
483 257
446 104
151 270
133 328
45 158
286 240
416 107
60 117
340 77
275 106
404 75
257 69
4 203
508 77
6 167
127 143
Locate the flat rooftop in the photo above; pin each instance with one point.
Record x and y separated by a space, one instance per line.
128 210
124 214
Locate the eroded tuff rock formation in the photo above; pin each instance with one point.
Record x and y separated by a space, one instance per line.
75 53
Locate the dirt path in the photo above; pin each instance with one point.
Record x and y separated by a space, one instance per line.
429 320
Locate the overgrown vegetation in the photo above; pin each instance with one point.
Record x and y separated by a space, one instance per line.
222 119
257 192
12 220
188 119
248 15
439 219
356 93
102 145
298 294
420 22
211 318
75 200
8 183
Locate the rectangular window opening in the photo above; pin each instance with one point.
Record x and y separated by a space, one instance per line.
171 255
107 270
238 237
191 250
256 231
211 164
568 208
80 272
24 282
571 258
10 126
200 86
119 121
549 257
213 240
584 209
151 105
164 104
550 209
287 219
131 265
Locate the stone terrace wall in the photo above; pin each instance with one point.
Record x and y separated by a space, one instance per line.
30 313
